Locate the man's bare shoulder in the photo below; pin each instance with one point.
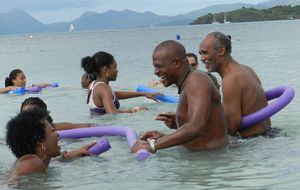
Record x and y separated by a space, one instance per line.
198 78
239 78
198 84
237 74
198 74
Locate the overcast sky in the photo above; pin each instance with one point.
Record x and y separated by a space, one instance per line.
49 11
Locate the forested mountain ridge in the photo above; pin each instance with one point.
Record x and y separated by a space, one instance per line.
251 15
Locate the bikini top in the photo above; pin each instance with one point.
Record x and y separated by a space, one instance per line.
90 101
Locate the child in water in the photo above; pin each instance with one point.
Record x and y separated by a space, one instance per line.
17 79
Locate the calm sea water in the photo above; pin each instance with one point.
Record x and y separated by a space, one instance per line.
271 48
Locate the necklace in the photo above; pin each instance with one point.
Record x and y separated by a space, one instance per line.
185 75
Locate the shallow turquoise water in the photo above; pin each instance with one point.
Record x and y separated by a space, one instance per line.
271 48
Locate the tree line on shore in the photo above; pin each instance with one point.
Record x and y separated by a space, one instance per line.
251 15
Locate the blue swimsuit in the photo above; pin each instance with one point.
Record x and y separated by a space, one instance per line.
93 107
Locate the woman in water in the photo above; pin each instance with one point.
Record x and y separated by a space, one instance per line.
101 98
33 140
17 79
86 79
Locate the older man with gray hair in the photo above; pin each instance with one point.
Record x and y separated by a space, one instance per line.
242 91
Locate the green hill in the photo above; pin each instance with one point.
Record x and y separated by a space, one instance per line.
251 15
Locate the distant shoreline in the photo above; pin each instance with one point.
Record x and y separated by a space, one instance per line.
251 15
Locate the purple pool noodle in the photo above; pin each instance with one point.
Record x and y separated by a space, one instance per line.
284 95
34 89
101 146
142 154
122 131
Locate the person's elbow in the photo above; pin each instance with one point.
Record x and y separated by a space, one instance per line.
198 132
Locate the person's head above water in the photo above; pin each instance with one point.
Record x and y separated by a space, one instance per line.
30 133
218 40
86 79
193 60
35 103
16 78
169 60
214 49
101 63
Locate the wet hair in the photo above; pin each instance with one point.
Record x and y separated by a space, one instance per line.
94 64
36 102
90 77
86 79
192 55
12 75
222 40
25 131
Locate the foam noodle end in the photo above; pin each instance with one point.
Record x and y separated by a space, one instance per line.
54 84
142 154
101 146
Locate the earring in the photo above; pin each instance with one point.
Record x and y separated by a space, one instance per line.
43 155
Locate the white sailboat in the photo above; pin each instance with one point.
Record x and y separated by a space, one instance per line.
215 22
225 21
71 29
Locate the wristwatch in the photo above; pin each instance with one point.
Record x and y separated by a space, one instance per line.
152 145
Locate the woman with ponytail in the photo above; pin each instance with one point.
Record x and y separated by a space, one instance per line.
101 98
17 79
